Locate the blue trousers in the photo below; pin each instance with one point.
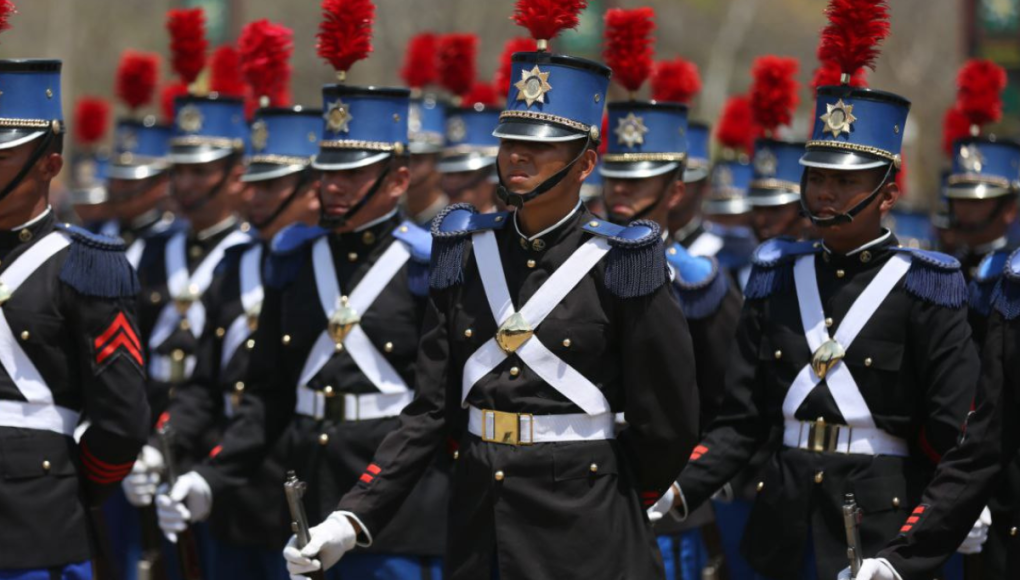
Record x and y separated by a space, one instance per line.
684 555
247 562
363 566
79 571
732 519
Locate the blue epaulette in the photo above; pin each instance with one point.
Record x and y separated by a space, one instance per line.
935 278
286 258
981 290
96 265
451 232
232 255
419 242
699 285
772 266
1007 294
636 264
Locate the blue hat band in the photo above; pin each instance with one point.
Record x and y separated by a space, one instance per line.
550 118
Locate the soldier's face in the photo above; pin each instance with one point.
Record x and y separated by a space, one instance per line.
30 195
134 197
193 182
471 187
625 199
267 197
779 220
830 192
978 221
525 165
340 191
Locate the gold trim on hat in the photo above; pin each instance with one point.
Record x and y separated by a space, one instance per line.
367 145
469 149
25 123
775 184
976 179
279 159
196 140
545 117
639 157
855 147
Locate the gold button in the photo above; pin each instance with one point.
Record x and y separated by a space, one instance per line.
826 257
221 332
177 355
155 297
514 371
352 257
867 362
499 218
840 273
239 386
779 354
828 323
250 344
672 251
368 238
403 229
24 335
896 502
456 454
566 343
594 468
593 224
323 439
388 347
761 486
285 339
245 227
817 245
185 325
865 256
524 244
339 346
195 251
25 235
819 477
1013 531
468 333
531 263
499 476
46 465
538 245
327 390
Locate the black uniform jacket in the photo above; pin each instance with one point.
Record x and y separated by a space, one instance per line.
549 510
330 455
915 365
74 318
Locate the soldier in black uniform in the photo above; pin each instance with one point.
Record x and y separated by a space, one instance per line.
468 160
426 122
69 348
248 524
686 221
856 348
542 484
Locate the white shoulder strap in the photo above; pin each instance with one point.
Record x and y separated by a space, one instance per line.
707 244
250 272
134 252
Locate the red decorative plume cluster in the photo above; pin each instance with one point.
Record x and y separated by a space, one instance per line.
736 129
91 119
345 33
457 54
168 95
544 19
503 77
773 93
265 49
225 73
137 75
856 28
188 45
7 8
675 81
481 94
979 91
828 74
628 48
955 126
420 61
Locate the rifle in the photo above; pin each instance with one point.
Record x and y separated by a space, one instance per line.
294 489
852 523
187 545
151 565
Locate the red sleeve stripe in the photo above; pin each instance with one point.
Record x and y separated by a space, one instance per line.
919 509
701 449
366 478
373 469
118 335
164 418
912 519
906 529
119 323
100 471
648 502
653 494
215 451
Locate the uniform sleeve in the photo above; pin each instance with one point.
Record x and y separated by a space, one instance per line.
713 342
964 479
111 364
406 453
741 427
661 405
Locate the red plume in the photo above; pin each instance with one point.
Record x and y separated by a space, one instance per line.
979 91
828 74
188 45
7 8
604 142
91 119
675 81
629 45
167 97
457 54
345 33
265 54
955 126
502 79
137 75
774 91
225 73
736 128
855 29
544 19
420 61
481 94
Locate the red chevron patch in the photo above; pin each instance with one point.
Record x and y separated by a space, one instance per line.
118 337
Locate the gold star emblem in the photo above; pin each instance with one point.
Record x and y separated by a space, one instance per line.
765 162
723 177
533 86
970 158
128 140
189 119
85 173
414 118
838 118
259 135
631 130
456 129
338 117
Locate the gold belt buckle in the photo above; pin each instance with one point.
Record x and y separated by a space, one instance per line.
822 437
506 428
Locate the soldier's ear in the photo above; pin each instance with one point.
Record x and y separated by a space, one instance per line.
399 179
49 166
676 193
587 163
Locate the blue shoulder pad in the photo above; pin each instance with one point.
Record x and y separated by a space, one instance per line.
637 233
935 278
294 237
690 270
417 239
451 231
698 282
981 290
96 265
992 266
636 264
1006 297
772 266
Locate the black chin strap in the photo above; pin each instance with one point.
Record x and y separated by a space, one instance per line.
331 223
518 200
846 217
214 190
483 175
304 178
1000 205
37 153
621 221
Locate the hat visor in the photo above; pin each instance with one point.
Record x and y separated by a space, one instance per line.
94 195
344 159
13 137
522 130
420 148
196 154
841 160
977 191
462 163
638 170
267 171
135 172
771 198
736 206
692 174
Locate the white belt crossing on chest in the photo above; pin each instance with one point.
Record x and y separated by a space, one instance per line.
558 374
39 410
370 361
250 274
134 252
828 354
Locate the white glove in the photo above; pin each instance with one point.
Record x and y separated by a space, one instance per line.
873 569
662 507
977 536
140 485
189 501
328 542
